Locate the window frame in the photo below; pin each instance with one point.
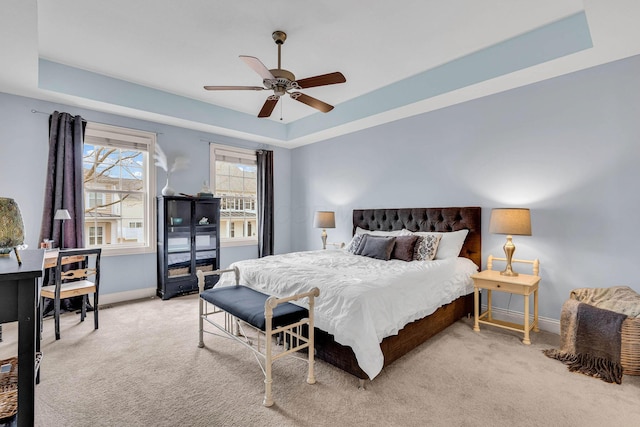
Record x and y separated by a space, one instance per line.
240 153
136 138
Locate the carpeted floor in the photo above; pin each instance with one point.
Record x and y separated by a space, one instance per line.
143 367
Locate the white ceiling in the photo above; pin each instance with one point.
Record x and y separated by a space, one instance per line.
177 47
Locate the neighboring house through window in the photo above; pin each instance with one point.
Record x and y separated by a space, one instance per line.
119 189
234 181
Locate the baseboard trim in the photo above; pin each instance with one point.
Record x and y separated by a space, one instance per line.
125 296
544 323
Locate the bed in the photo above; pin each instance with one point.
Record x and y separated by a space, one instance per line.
380 328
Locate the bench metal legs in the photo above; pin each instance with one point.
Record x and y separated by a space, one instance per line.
291 334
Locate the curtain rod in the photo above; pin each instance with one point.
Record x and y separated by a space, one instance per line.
33 110
48 114
261 146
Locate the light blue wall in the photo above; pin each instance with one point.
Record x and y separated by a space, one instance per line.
567 148
23 157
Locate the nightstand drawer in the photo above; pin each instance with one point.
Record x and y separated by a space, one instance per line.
513 288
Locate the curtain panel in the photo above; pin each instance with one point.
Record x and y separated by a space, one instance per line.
64 182
265 202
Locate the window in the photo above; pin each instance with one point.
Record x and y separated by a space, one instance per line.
235 180
96 199
119 184
95 235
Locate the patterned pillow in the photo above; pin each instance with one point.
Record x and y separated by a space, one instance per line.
426 247
354 244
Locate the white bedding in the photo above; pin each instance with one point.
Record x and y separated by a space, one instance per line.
362 300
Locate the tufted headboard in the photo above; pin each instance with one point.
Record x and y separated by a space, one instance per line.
427 219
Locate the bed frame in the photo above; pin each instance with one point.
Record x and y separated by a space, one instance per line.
417 332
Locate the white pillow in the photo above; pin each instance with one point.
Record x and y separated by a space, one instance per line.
403 232
450 244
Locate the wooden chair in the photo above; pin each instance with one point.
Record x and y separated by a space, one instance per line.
75 282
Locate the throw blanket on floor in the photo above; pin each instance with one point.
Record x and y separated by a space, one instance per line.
590 341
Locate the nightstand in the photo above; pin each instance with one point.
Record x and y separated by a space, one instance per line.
522 284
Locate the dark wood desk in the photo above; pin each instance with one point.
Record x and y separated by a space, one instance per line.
19 289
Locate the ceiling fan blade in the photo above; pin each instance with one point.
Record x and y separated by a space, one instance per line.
257 66
234 88
312 102
268 106
322 80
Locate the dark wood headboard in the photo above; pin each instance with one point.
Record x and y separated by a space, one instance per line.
427 219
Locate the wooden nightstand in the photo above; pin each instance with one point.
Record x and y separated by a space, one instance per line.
523 284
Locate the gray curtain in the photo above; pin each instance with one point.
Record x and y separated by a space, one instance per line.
64 184
265 202
64 189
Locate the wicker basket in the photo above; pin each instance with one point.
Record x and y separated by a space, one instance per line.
9 390
630 346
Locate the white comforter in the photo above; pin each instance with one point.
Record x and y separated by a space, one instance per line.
362 300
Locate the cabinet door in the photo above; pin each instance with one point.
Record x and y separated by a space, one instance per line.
206 235
178 238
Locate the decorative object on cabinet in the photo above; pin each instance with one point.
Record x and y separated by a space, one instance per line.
510 221
82 281
11 228
62 215
163 162
205 191
188 240
324 220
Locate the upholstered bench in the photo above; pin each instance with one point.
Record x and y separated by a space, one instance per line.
249 305
270 316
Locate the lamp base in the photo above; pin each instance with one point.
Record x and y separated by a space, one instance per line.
509 273
509 249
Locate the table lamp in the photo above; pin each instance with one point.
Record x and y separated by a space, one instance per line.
510 221
324 220
11 228
62 214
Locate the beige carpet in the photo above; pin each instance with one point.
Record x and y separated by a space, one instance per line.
143 368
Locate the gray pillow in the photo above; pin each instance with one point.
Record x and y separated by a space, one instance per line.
378 247
404 247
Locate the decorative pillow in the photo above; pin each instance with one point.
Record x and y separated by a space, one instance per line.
426 247
404 247
450 243
379 247
354 244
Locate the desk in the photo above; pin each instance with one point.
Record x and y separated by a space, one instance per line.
19 296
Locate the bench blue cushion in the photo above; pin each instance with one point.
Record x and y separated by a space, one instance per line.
248 304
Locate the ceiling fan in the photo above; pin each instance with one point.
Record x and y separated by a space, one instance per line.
282 82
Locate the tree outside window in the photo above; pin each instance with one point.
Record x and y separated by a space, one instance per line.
118 205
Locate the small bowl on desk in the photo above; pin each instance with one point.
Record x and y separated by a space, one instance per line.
176 221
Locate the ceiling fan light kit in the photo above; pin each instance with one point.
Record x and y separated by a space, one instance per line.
282 82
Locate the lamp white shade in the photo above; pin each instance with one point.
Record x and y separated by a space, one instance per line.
324 219
62 214
511 221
